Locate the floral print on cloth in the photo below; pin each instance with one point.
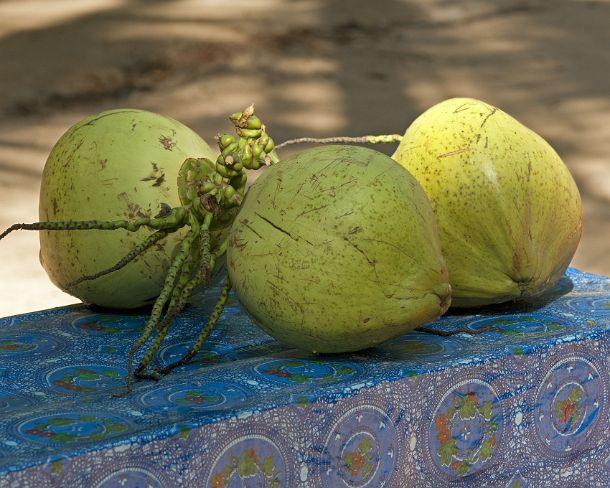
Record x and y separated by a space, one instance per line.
516 397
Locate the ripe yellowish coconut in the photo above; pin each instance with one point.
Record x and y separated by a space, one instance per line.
508 210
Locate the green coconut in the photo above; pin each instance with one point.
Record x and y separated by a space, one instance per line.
119 164
508 210
336 249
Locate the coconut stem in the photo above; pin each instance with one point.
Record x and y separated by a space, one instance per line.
206 189
448 333
132 255
205 331
186 284
168 286
379 139
175 219
163 327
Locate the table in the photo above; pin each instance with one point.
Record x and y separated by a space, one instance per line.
517 397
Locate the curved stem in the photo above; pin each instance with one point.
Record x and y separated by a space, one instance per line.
181 294
205 331
221 249
172 310
448 333
68 225
163 297
133 254
173 220
379 139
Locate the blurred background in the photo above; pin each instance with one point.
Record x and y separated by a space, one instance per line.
312 68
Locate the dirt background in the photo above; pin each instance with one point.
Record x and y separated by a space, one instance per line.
312 67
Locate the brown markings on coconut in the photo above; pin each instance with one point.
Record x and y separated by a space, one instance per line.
334 202
167 142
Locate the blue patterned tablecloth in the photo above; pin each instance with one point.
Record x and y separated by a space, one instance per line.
522 403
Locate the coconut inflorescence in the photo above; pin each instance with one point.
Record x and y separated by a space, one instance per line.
336 249
135 208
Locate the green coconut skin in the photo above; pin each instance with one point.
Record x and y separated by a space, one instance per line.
508 210
336 249
119 164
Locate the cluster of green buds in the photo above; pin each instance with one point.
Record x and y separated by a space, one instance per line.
206 186
203 190
252 148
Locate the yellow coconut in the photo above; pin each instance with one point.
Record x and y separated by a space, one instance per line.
508 210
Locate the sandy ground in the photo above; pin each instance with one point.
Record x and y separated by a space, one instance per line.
313 67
